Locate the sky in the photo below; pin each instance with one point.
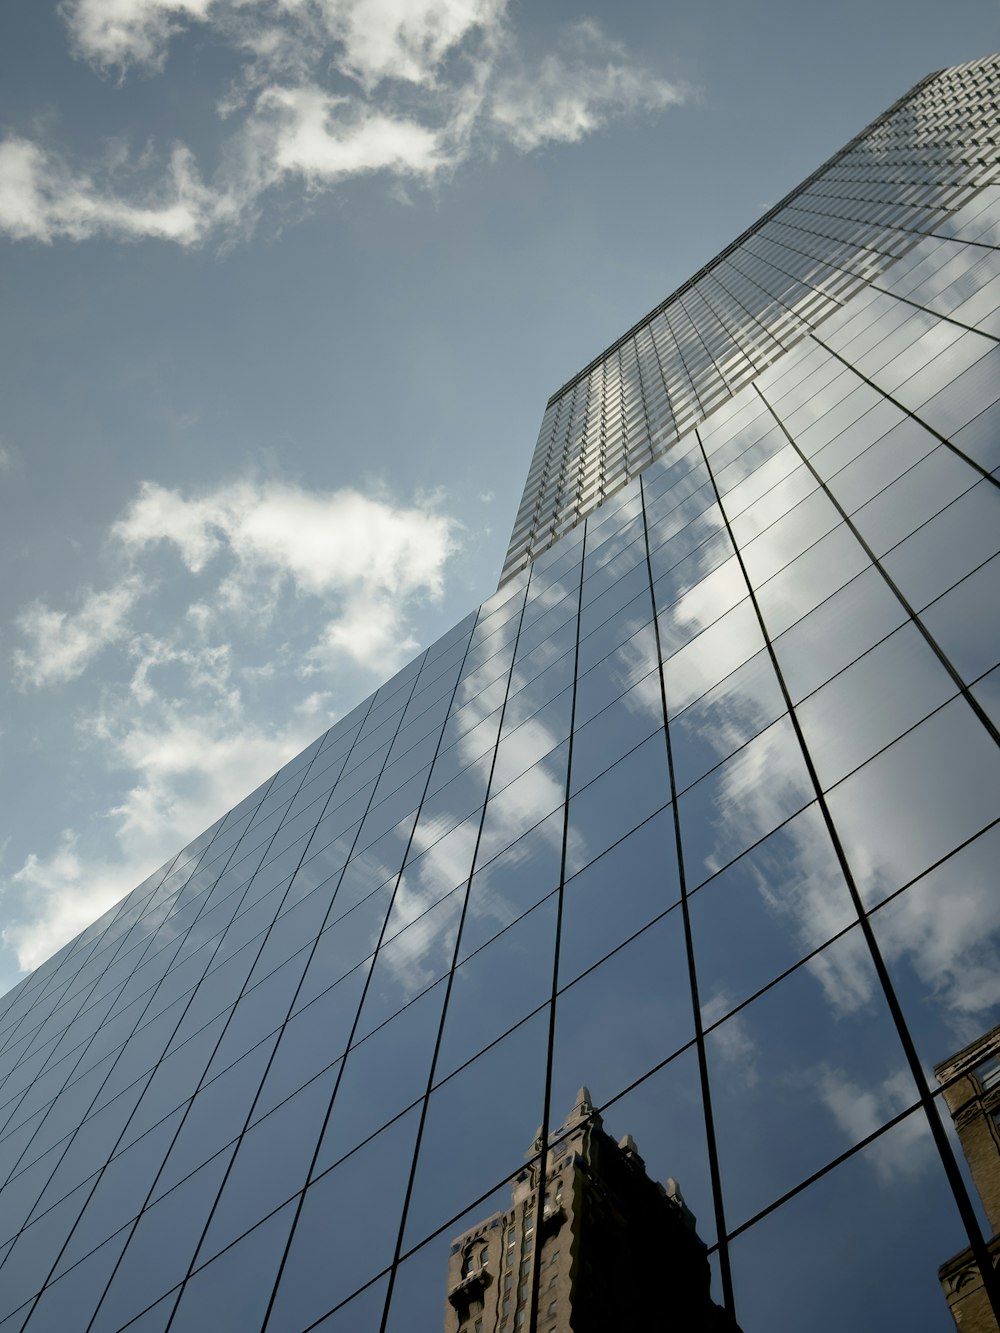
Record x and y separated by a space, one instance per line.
285 287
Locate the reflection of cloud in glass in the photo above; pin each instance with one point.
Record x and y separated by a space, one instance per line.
860 1110
438 865
732 1040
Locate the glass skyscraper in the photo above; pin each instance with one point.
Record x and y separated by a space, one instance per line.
698 810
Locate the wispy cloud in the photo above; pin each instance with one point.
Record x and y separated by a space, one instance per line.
59 645
326 90
267 585
573 92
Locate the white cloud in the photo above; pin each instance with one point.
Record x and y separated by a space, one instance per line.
43 199
57 896
60 644
122 32
404 39
860 1110
322 137
366 554
325 90
189 719
576 91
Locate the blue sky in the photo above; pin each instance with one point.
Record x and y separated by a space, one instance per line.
286 286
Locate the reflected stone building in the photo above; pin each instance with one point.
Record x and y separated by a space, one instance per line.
700 806
609 1249
971 1081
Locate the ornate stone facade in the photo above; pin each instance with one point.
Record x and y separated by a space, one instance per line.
971 1080
611 1249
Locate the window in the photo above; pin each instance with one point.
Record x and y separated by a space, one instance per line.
988 1071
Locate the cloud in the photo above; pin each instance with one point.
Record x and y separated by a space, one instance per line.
325 90
368 552
860 1110
185 719
60 895
573 93
62 644
41 198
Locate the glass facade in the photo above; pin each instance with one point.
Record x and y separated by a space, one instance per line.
699 810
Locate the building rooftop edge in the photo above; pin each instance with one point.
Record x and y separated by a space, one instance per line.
733 245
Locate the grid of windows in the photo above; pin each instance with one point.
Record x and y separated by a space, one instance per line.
898 181
697 810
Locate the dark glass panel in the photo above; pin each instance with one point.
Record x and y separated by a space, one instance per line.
33 1253
230 1294
627 1014
214 1117
271 1164
160 1248
359 1202
383 1074
456 1165
616 895
69 1302
889 1218
498 986
617 802
312 1040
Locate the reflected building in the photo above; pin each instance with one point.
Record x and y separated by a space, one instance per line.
609 1248
701 801
971 1082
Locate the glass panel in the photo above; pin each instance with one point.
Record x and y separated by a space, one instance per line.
383 1074
271 1163
160 1249
627 1014
917 801
619 893
724 719
617 802
742 800
230 1295
484 1003
456 1165
941 942
802 1073
778 902
868 705
513 882
888 1215
359 1202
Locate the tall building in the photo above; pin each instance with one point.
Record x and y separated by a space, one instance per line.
971 1083
699 809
